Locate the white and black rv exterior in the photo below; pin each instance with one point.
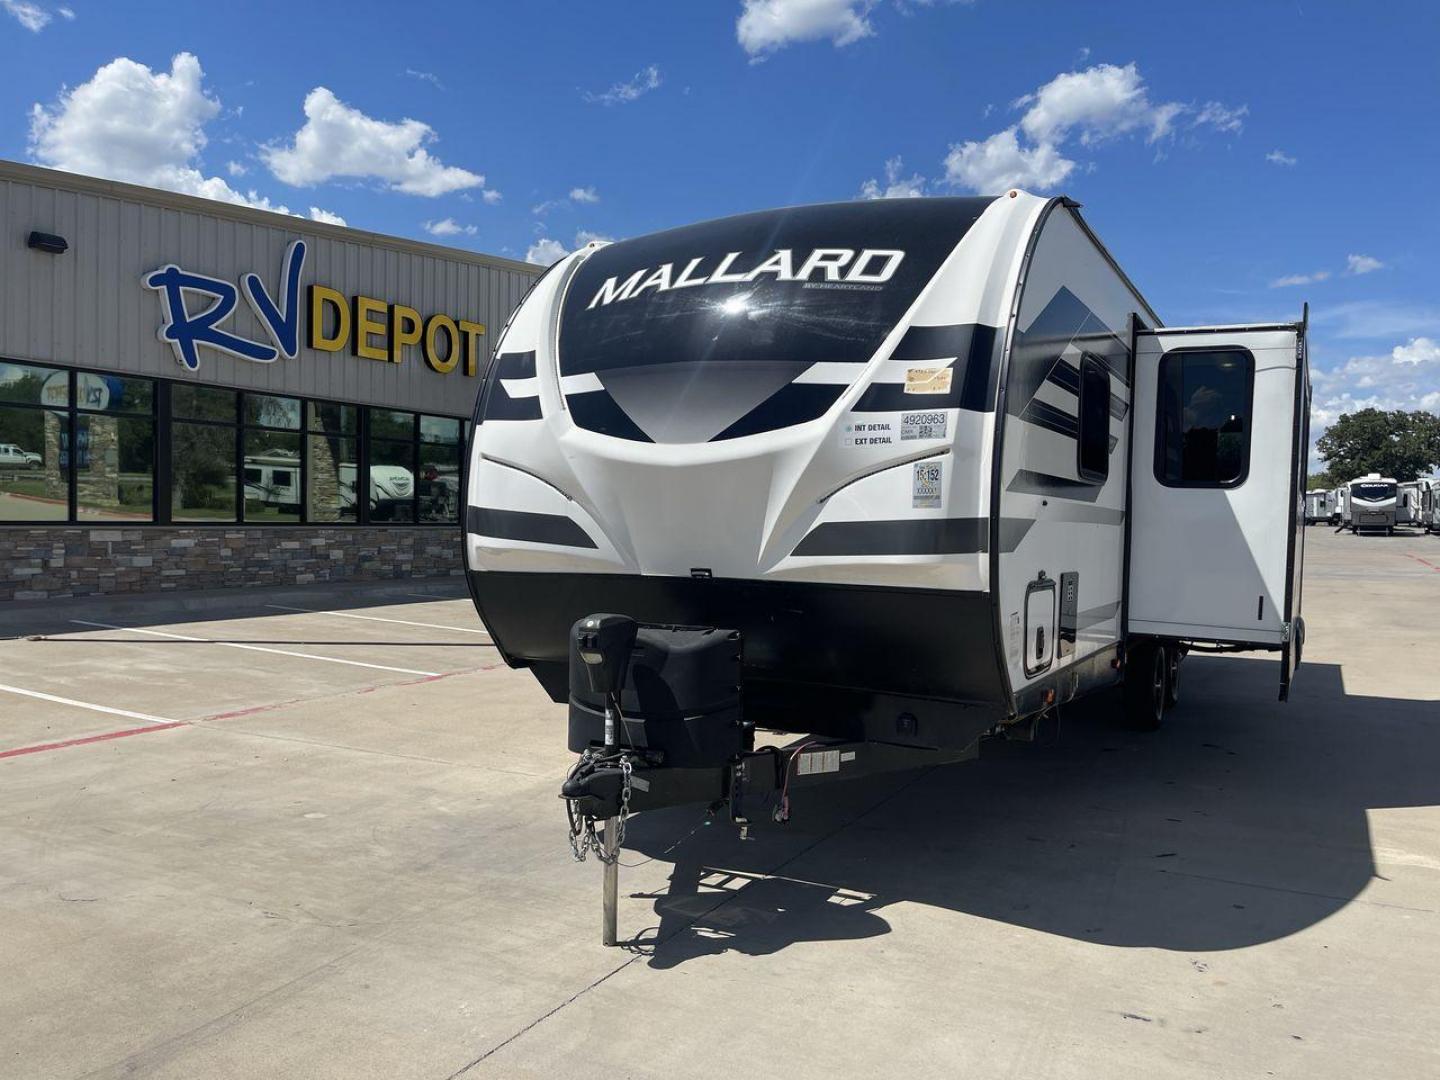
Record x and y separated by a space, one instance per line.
927 468
1370 503
1317 506
1407 502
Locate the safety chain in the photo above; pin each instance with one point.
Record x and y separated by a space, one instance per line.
583 837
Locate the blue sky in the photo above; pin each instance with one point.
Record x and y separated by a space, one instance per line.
1237 158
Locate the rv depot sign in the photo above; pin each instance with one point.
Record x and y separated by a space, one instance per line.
371 329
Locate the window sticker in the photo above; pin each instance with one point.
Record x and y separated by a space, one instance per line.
926 485
928 380
923 425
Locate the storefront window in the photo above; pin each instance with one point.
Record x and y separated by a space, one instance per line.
202 471
34 472
272 476
83 446
114 465
334 464
392 480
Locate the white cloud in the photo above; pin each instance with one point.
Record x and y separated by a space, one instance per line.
1420 350
1000 162
1090 107
765 26
449 227
1362 264
895 186
491 196
1299 279
576 196
66 14
622 93
1279 157
235 168
31 16
1221 117
546 251
140 126
425 76
340 141
317 214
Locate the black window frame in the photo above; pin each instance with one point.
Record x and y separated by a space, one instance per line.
1098 427
1159 457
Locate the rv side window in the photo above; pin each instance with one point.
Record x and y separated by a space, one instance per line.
1094 441
1202 421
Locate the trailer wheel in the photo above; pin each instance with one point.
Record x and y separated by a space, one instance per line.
1172 675
1146 687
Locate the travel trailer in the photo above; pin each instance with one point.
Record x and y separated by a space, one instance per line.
896 476
1317 506
1370 504
1429 517
1337 504
1407 503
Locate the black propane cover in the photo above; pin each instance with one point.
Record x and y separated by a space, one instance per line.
680 697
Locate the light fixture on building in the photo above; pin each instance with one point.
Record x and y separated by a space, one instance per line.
42 241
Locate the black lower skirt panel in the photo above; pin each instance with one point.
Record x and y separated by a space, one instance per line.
910 666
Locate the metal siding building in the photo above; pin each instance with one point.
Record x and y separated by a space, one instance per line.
89 309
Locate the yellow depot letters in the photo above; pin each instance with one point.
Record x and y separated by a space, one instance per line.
376 330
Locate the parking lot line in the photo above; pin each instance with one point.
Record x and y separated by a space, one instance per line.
146 717
255 648
377 618
107 736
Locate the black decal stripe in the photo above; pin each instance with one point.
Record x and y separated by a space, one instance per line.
934 342
791 405
521 525
1047 416
972 383
910 536
1065 377
499 405
596 410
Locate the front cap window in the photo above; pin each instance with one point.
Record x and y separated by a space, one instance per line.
700 333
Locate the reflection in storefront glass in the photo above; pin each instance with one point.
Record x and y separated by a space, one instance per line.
272 476
34 473
114 462
202 469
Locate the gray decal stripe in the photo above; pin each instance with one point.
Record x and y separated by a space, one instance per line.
1118 407
522 525
911 536
1092 616
1065 377
1056 487
1089 515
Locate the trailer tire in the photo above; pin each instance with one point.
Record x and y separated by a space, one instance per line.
1173 656
1146 687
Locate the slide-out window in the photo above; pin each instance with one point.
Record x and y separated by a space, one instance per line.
1203 418
1094 441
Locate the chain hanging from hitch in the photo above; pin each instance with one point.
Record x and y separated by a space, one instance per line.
583 837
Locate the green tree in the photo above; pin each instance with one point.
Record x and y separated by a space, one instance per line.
1394 443
1318 481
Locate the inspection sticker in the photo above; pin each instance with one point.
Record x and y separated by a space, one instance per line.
818 761
868 433
923 425
920 380
927 485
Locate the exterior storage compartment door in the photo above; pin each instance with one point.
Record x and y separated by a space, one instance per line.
1217 491
1039 625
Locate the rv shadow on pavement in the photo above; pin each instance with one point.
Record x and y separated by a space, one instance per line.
1239 822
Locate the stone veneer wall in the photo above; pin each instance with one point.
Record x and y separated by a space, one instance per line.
38 563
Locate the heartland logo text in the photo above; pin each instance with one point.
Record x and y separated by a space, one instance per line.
841 266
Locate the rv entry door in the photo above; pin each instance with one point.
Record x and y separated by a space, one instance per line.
1217 487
